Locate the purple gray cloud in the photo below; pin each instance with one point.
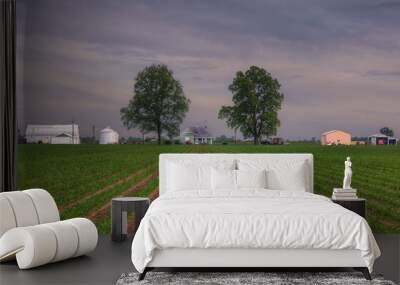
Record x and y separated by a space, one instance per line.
338 61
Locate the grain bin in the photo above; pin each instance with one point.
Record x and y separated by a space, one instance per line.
108 136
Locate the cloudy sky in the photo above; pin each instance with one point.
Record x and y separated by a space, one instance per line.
338 61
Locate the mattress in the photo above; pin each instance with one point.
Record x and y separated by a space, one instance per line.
250 219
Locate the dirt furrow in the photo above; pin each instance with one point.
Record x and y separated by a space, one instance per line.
108 187
104 210
391 223
154 194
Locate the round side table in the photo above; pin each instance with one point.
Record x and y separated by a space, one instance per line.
119 215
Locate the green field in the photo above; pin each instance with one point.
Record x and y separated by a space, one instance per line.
83 178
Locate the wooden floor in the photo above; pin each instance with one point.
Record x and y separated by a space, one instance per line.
110 260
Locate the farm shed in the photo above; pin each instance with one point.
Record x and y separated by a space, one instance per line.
381 139
276 140
272 140
53 134
197 135
335 137
108 136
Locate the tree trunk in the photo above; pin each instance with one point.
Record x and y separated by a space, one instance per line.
159 133
255 132
158 137
255 140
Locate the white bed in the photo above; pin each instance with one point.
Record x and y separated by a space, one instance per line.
248 227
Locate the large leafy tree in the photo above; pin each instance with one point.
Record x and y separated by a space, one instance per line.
158 104
387 131
256 102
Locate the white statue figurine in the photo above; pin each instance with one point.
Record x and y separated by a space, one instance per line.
347 174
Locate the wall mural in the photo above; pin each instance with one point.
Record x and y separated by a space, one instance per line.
104 87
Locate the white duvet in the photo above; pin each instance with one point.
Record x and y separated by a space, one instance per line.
250 219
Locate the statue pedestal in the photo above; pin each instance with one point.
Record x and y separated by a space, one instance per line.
340 190
344 194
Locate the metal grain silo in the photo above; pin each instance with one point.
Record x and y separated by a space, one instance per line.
108 136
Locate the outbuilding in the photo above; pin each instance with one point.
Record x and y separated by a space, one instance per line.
197 135
108 136
381 139
52 134
336 137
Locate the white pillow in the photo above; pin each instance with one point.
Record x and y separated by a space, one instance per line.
193 177
201 160
223 179
251 178
290 178
281 174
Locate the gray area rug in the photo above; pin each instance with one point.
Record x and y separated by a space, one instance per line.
225 278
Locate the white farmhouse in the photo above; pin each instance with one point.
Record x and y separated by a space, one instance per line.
381 139
108 136
197 135
53 134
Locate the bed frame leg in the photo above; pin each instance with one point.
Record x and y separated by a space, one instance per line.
143 274
364 271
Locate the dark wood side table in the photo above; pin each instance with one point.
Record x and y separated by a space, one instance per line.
119 215
355 205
